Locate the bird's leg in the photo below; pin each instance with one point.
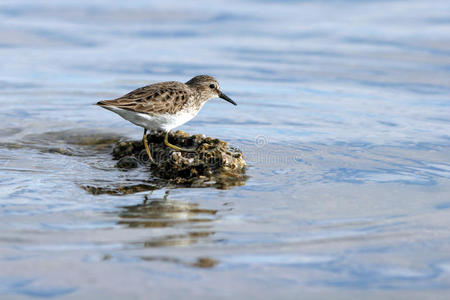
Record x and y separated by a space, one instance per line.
166 142
147 149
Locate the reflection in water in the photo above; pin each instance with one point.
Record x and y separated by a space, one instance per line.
181 216
165 213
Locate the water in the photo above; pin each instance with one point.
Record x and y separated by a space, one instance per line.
343 117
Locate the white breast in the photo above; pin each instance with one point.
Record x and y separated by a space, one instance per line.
164 122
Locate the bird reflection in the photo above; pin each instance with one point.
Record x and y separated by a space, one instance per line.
190 222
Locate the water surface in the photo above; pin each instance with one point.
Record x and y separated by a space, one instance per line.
343 117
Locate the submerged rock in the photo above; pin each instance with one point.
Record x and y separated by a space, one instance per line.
212 162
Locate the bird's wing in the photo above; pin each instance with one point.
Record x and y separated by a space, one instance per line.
164 97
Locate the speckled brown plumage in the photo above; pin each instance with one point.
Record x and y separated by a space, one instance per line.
168 97
164 97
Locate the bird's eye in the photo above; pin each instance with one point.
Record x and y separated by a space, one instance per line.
212 86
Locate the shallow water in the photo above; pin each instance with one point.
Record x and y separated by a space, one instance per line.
343 117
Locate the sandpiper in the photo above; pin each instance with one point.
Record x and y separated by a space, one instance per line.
165 105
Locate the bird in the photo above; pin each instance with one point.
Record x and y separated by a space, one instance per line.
165 105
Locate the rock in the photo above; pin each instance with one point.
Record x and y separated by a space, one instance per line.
213 162
127 162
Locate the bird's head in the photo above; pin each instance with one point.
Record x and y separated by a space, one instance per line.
208 87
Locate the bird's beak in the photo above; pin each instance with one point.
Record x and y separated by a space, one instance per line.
225 97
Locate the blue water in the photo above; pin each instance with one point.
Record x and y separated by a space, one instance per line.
343 117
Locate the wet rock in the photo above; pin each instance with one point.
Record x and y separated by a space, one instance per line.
127 162
213 162
120 189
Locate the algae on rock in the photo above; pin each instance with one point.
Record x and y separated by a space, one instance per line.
212 162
